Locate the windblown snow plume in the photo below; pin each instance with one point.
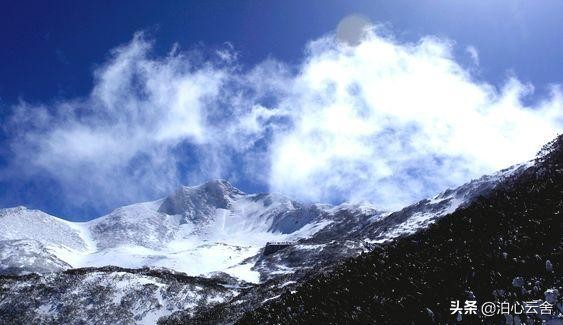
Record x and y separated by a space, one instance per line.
381 120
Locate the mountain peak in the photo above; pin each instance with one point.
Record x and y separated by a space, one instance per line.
195 202
218 185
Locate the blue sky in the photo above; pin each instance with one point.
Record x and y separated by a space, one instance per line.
53 54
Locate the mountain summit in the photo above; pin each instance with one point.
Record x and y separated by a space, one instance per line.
200 201
200 229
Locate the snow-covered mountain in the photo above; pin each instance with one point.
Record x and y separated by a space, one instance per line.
214 234
424 213
503 245
216 227
202 229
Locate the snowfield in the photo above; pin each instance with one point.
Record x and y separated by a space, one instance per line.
215 227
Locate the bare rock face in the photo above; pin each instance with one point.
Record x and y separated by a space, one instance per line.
271 248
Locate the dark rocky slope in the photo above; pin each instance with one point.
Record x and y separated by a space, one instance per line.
506 246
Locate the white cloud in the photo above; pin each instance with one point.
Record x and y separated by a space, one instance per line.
387 121
383 121
116 145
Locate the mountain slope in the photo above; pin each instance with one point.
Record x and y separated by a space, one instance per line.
422 214
505 246
21 223
33 241
356 229
20 256
108 295
197 230
215 227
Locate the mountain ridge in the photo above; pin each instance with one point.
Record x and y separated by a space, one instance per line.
224 244
213 217
219 219
505 246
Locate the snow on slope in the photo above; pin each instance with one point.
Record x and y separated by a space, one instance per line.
21 223
33 241
20 256
107 296
422 214
197 230
216 227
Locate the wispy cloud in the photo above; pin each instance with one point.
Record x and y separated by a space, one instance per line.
473 54
384 121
